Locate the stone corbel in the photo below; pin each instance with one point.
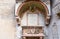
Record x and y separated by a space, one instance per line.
48 18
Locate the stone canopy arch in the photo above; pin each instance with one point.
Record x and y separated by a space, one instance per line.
33 6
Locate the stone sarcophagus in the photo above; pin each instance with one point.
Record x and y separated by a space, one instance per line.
33 32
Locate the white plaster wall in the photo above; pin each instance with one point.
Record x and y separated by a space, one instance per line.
7 20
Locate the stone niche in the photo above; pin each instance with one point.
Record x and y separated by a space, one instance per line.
32 32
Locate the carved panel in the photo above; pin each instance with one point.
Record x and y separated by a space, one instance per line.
32 30
32 19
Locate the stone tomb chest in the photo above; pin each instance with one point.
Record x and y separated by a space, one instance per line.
32 32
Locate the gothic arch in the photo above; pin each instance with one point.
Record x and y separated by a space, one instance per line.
40 6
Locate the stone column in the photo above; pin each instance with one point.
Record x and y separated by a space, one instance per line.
7 20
